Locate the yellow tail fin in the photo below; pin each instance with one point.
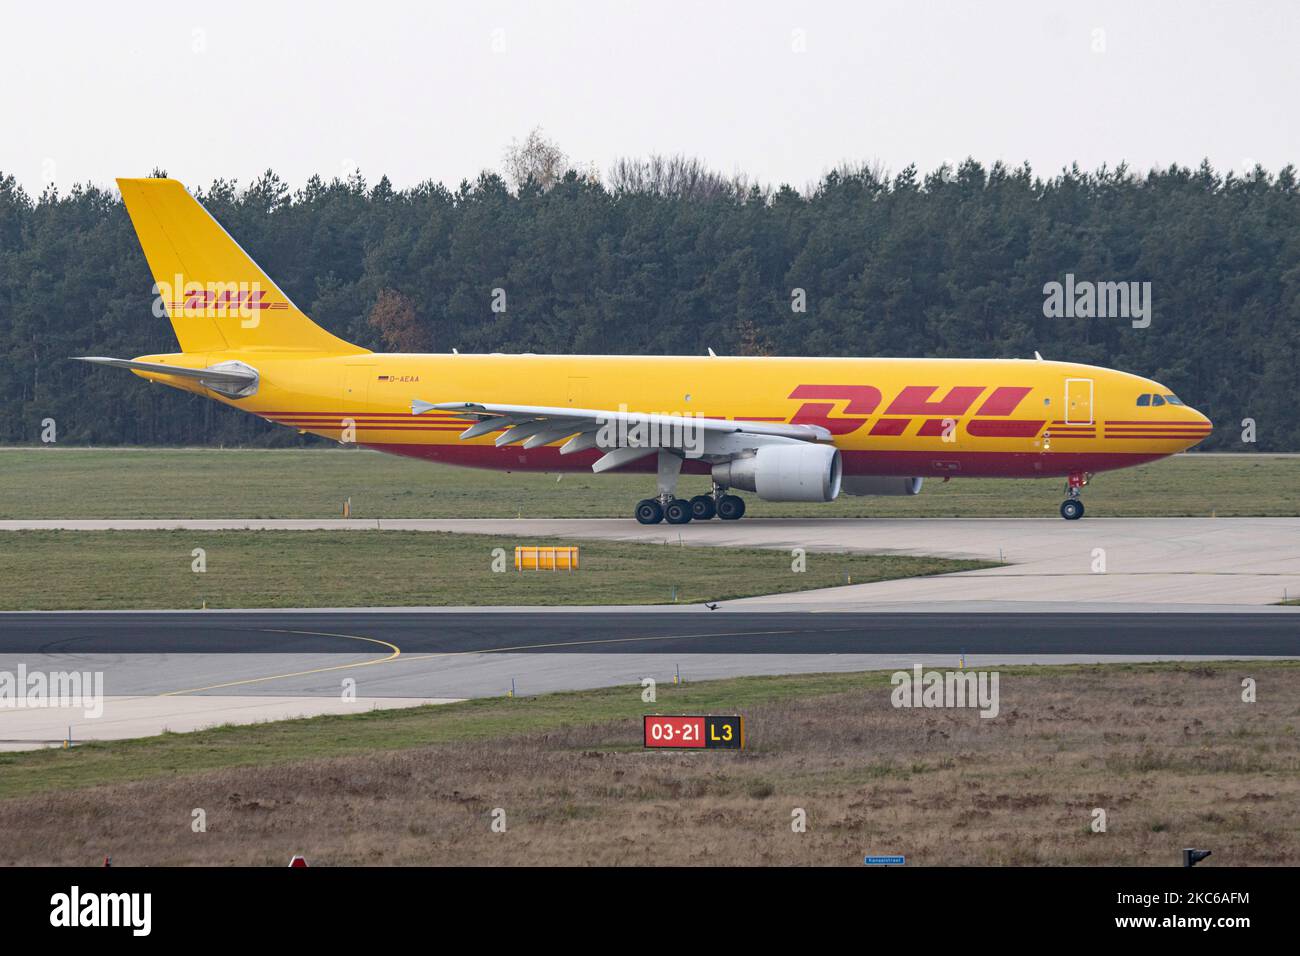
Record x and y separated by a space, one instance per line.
217 298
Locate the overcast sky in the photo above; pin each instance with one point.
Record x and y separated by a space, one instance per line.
780 91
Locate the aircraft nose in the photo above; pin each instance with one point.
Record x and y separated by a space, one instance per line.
1198 427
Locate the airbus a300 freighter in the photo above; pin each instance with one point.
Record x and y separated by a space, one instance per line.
786 429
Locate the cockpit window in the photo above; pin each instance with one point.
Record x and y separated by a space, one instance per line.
1144 400
1174 400
1156 400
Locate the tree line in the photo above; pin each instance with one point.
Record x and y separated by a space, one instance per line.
663 256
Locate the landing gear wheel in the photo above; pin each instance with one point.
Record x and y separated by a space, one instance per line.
731 507
678 511
703 508
1071 509
648 511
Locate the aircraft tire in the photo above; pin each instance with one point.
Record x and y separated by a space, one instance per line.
678 511
1071 509
731 507
703 507
649 511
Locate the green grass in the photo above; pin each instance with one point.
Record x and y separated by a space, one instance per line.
313 483
49 570
249 745
171 755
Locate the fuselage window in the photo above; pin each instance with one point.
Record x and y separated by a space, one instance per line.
1174 400
1144 400
1156 400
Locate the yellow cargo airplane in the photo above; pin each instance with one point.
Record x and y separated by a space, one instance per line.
787 429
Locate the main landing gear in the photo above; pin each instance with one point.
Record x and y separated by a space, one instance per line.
667 506
1072 506
717 504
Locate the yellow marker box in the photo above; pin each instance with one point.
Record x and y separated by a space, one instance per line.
546 558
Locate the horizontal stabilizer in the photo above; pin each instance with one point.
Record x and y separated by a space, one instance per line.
234 379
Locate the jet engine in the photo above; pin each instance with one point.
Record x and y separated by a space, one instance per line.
799 472
882 485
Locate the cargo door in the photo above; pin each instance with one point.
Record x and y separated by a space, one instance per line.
356 388
1078 401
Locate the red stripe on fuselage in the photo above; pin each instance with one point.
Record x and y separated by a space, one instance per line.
971 464
1009 428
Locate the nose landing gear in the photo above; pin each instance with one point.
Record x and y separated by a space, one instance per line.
1072 506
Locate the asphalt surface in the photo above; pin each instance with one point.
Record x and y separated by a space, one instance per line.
722 632
186 670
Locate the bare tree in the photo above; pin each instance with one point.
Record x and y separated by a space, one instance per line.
675 177
872 172
536 158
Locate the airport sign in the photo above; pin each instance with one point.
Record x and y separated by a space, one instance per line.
693 732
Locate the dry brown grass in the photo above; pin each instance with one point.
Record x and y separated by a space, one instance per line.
1173 755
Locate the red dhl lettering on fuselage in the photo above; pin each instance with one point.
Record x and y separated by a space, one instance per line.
992 419
937 413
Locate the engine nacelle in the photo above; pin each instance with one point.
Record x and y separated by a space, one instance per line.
882 485
785 473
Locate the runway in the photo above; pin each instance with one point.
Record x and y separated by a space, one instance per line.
187 670
605 631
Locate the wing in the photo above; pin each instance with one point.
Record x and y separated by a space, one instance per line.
624 436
